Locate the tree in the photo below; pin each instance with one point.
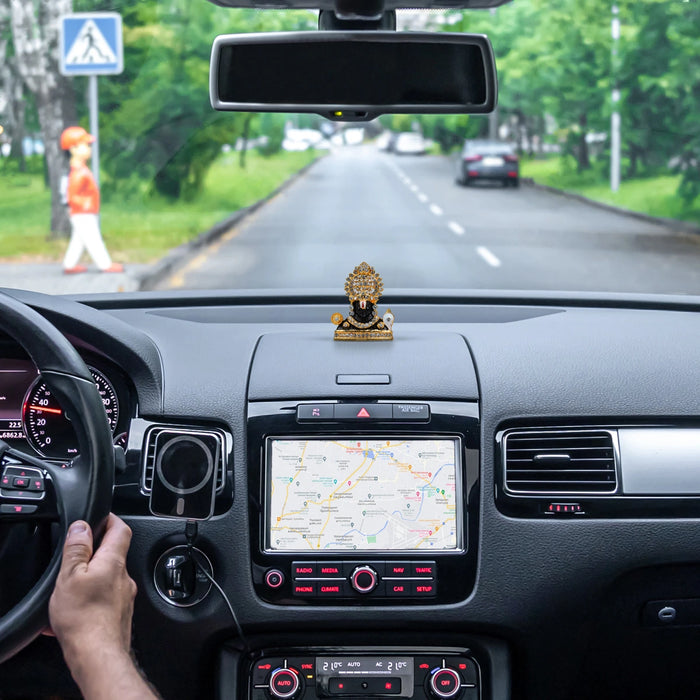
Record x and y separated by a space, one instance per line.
35 42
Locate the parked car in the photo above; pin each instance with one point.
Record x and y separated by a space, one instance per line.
409 143
490 161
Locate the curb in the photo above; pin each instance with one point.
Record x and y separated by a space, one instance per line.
177 256
673 224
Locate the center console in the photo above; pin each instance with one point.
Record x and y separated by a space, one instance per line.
363 502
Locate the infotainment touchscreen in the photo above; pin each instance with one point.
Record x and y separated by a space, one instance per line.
358 494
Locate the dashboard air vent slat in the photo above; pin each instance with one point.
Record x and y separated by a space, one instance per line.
150 453
556 462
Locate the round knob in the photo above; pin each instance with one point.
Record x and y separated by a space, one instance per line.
445 683
274 578
284 683
364 579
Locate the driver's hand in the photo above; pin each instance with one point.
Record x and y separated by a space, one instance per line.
93 601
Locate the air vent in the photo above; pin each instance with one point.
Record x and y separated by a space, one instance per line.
559 462
158 437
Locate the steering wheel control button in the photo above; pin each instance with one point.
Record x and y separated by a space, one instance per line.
445 683
315 411
274 578
364 579
22 495
20 482
284 683
411 411
17 509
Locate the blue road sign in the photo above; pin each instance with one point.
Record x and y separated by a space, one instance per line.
91 44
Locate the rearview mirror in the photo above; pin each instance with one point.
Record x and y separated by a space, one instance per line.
353 76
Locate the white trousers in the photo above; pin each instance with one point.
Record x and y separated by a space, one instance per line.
85 235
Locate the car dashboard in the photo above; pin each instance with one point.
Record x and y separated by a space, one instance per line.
548 444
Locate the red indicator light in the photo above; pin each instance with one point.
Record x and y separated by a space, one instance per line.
388 685
18 509
558 508
462 667
424 666
341 685
363 413
551 507
264 667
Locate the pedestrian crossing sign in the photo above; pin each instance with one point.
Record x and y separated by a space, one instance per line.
91 43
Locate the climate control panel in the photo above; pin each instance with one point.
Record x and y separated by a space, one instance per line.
417 675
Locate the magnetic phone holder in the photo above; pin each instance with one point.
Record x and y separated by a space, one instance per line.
185 475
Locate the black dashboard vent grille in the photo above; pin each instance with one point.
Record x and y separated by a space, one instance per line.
157 438
560 462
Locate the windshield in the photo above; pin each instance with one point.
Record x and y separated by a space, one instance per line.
585 178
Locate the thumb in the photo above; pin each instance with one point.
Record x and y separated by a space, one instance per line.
77 549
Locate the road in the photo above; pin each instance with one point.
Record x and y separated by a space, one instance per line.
407 218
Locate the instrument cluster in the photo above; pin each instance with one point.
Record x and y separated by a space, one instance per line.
32 419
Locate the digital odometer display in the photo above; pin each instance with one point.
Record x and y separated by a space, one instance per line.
15 376
391 494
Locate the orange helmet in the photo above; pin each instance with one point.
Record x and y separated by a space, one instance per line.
74 135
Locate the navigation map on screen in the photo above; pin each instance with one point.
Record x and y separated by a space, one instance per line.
380 494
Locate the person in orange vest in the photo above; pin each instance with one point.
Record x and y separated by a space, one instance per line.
83 198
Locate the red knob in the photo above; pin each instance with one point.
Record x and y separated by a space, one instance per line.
284 683
364 579
445 683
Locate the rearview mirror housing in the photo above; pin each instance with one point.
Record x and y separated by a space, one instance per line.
353 76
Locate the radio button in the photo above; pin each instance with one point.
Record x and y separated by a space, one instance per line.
445 683
304 569
398 569
284 683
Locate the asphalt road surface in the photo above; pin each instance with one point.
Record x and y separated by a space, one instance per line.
406 216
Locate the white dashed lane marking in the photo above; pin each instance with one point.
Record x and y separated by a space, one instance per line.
456 228
436 209
488 256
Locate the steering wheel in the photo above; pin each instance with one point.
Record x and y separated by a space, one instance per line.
83 487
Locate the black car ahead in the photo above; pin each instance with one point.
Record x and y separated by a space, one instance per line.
488 160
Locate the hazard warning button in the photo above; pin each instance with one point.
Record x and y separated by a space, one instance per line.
363 411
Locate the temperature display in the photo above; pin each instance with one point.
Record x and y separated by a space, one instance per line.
364 665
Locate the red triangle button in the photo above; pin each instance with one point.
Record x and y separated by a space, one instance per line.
363 413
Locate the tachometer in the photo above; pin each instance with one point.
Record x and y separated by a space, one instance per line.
47 427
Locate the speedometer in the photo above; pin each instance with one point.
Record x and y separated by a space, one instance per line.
47 427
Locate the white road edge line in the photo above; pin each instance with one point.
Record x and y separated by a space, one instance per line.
488 256
456 228
436 209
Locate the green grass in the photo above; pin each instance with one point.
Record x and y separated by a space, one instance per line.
141 230
656 196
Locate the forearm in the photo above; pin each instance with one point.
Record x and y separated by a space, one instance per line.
107 675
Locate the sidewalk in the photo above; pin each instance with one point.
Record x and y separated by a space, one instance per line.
48 278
